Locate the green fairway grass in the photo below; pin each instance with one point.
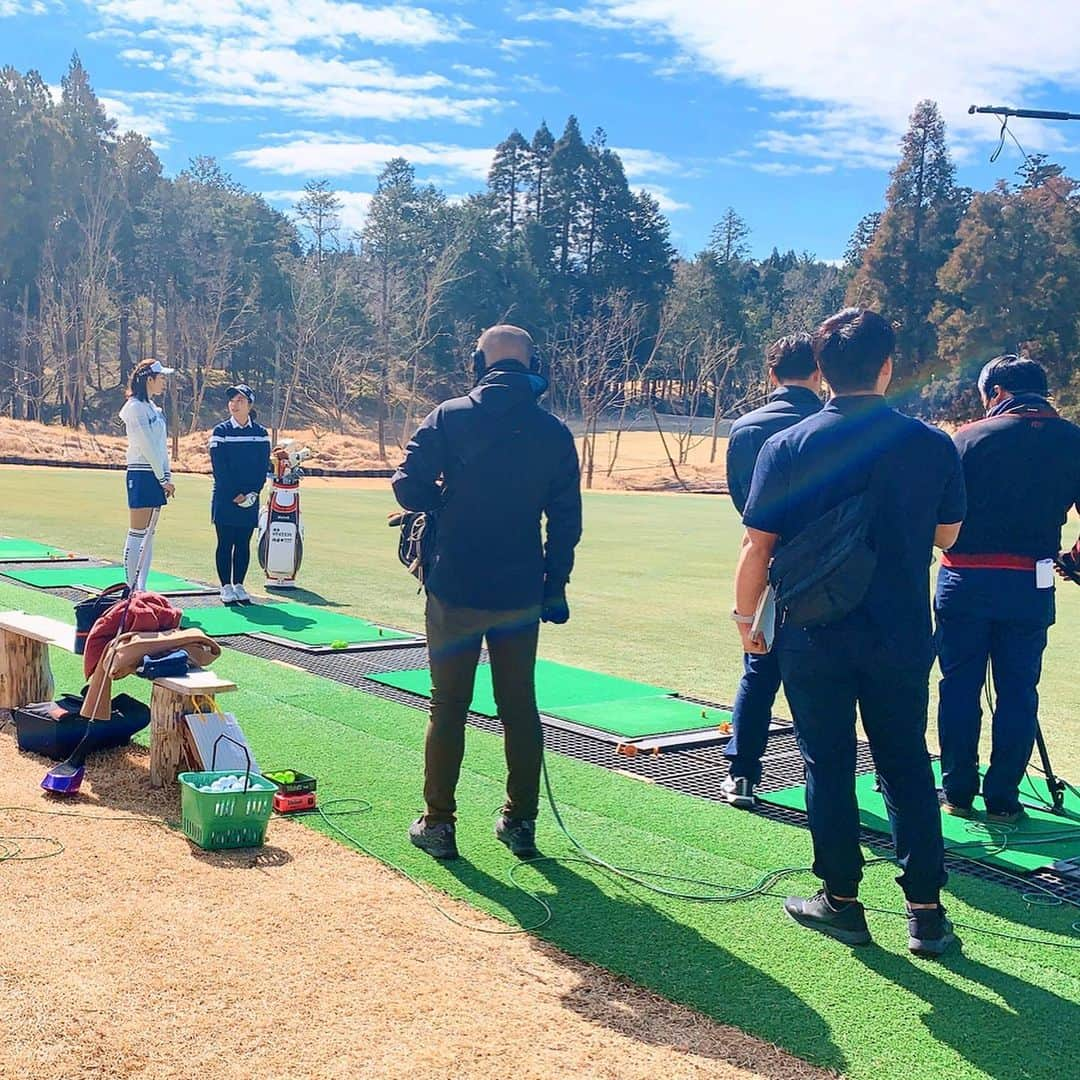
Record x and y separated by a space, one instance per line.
649 597
13 549
1003 1009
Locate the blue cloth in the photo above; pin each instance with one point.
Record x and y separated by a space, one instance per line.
240 459
144 490
751 715
823 684
996 618
787 405
492 464
1022 471
808 469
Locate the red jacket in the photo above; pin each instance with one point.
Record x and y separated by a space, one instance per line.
145 611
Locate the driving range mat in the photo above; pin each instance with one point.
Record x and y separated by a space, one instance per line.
558 687
638 718
99 577
12 549
302 623
1038 840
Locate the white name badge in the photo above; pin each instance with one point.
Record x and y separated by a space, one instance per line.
1044 574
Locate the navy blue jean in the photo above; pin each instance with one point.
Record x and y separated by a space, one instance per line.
750 715
996 618
824 683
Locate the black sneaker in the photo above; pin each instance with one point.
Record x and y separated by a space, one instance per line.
738 791
844 920
929 932
955 809
1005 817
518 834
437 840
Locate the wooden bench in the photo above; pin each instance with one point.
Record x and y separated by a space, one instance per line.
25 676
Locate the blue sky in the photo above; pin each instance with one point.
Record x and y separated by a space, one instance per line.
789 111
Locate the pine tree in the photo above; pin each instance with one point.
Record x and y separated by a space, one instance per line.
728 239
861 239
571 163
543 145
508 180
917 231
319 209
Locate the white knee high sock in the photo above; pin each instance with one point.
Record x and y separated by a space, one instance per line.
132 547
145 572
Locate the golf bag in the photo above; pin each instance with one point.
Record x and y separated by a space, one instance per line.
281 529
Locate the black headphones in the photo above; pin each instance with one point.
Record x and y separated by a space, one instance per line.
480 364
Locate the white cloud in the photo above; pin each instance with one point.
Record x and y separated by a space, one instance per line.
143 58
635 57
866 66
10 8
638 162
353 212
286 22
664 199
591 17
154 125
519 44
473 72
341 156
790 168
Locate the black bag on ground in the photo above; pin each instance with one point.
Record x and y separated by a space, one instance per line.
56 728
823 572
88 611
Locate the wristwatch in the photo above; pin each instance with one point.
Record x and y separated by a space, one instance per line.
742 620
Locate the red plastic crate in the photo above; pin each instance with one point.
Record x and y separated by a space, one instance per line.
290 804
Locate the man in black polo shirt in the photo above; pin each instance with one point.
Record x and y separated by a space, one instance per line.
877 657
793 371
995 587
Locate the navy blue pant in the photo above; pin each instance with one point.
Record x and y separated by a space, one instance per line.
996 618
750 715
824 683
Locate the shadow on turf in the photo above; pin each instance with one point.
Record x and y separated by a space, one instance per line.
1003 1026
305 596
632 939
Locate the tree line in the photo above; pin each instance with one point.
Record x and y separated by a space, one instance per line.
104 260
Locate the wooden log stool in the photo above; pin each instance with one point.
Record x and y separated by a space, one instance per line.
25 675
171 700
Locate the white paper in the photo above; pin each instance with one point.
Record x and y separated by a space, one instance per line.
1044 574
764 624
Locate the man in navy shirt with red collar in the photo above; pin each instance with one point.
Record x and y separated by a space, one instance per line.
995 589
794 373
878 656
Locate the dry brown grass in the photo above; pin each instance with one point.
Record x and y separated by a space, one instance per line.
640 465
134 955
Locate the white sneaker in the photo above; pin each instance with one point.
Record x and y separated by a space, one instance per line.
228 594
240 594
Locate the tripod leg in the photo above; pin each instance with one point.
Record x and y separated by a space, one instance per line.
1055 786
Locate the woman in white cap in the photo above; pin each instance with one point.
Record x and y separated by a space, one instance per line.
240 458
149 478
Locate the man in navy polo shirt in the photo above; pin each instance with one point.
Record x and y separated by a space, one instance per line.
877 657
793 371
995 588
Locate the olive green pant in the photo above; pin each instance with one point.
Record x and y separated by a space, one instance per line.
454 636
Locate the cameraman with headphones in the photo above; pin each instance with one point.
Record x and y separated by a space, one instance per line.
489 466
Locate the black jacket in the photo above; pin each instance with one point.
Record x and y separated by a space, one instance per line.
240 459
1022 471
503 462
787 405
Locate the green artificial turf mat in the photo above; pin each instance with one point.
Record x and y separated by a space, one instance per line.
98 577
558 686
1038 840
12 549
640 717
302 623
1001 1009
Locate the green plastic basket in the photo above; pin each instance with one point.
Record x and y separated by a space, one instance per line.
216 820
